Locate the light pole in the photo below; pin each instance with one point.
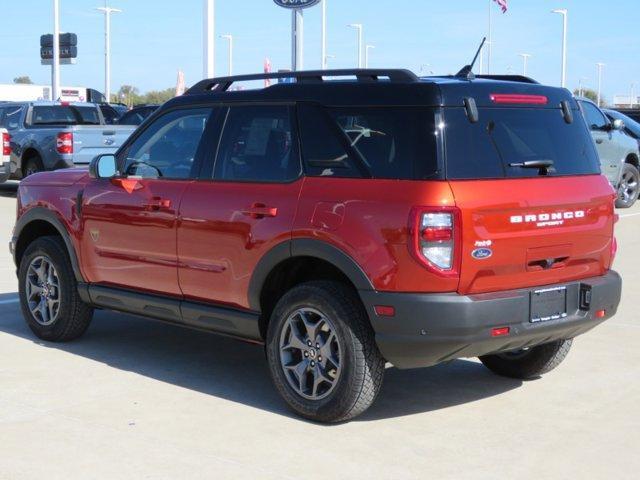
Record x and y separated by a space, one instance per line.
525 58
297 39
326 59
581 85
563 12
358 27
55 65
323 37
600 66
208 36
632 100
230 39
107 48
366 54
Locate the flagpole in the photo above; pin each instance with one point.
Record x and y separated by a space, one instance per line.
490 46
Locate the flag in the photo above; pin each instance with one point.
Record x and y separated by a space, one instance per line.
267 69
180 86
502 4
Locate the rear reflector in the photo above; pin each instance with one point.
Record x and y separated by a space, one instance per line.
601 313
6 144
384 310
500 332
516 98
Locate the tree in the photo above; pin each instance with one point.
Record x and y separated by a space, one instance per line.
24 79
159 96
127 94
591 95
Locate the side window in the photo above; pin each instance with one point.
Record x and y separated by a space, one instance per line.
168 147
595 118
11 119
258 145
323 151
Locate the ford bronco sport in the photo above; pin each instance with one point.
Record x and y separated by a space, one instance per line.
343 223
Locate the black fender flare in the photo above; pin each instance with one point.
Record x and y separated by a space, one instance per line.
304 248
49 216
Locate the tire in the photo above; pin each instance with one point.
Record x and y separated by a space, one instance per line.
531 363
71 317
350 384
32 165
629 187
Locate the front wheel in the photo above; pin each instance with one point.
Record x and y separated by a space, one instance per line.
322 354
629 186
530 362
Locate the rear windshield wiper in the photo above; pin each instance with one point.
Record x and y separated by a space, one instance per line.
544 166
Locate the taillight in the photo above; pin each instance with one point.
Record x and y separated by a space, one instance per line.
64 143
436 239
6 144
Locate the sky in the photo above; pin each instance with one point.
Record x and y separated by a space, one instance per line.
152 39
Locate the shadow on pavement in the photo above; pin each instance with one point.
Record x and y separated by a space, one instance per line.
238 371
9 189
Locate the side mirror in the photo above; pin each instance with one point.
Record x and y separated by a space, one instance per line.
618 124
103 166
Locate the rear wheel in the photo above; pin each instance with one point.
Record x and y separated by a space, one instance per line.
322 353
49 296
629 186
530 362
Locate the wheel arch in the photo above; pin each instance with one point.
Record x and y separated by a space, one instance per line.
39 222
632 159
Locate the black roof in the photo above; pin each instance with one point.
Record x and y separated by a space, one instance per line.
369 87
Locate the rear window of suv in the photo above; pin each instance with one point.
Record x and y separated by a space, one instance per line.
505 136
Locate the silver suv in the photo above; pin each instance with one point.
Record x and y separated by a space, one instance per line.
618 152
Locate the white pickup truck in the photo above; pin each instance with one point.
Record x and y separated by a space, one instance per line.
54 135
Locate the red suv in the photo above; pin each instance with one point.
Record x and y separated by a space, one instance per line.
342 223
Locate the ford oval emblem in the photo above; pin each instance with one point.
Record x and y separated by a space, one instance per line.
481 253
296 3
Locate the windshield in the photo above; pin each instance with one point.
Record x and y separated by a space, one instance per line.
65 115
505 139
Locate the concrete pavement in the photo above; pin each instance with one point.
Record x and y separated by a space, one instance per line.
138 399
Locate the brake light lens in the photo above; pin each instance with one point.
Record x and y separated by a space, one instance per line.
436 239
517 98
64 143
6 144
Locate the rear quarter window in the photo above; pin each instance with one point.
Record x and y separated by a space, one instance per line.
505 136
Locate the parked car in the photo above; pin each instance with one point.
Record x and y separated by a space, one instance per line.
54 135
633 113
342 224
618 152
137 114
5 155
630 182
112 112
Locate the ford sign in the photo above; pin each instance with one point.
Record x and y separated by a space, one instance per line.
296 3
481 253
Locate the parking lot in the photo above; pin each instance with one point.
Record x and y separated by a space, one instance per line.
138 399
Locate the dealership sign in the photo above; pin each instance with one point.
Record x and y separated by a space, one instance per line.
296 3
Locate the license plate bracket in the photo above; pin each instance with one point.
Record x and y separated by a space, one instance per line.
548 304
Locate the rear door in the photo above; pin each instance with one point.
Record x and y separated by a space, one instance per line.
242 207
524 227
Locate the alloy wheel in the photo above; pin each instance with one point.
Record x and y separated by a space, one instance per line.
43 291
310 353
628 187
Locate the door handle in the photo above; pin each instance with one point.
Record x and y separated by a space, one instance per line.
260 210
599 141
157 203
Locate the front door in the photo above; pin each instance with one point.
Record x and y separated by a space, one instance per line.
129 222
241 208
608 149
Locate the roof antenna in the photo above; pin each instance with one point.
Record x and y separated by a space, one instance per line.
467 70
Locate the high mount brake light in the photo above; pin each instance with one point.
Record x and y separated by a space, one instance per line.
435 239
517 98
64 143
6 144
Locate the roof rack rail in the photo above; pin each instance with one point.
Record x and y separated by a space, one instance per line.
509 78
222 84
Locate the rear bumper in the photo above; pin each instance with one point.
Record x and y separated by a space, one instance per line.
431 328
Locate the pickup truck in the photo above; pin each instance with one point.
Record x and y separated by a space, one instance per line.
5 155
54 135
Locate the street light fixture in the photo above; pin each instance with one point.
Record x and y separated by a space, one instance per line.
366 54
600 66
563 12
230 39
358 27
525 58
107 48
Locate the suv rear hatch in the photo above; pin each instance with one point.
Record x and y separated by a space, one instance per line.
534 208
